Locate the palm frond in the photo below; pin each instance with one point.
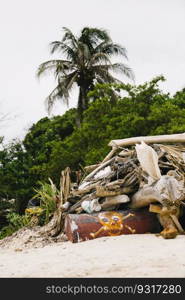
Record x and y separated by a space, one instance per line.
56 65
94 35
68 81
100 46
61 92
70 38
122 68
50 100
103 74
112 49
116 68
64 48
99 58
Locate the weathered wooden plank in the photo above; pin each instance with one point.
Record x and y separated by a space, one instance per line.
110 154
91 168
171 138
101 166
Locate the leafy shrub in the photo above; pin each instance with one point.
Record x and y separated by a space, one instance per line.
47 194
15 223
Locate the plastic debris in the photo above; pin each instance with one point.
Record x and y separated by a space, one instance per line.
91 206
149 160
138 177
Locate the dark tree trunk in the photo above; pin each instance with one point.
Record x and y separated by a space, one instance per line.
82 105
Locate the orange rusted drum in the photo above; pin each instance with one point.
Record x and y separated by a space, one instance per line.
82 227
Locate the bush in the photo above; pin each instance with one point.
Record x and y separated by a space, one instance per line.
47 194
15 223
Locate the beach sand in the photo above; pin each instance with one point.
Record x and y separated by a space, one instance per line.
141 255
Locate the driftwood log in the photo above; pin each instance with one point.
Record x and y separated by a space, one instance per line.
171 138
100 167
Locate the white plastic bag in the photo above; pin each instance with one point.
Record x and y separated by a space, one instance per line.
170 189
148 159
91 206
103 173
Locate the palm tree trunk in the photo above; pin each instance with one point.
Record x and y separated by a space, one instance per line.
82 105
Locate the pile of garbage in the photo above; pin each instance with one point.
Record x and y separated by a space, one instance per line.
139 173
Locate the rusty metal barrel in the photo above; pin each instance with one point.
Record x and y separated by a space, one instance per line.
82 227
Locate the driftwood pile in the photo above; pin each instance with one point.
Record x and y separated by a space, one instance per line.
135 174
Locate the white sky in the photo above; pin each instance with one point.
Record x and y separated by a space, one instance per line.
153 32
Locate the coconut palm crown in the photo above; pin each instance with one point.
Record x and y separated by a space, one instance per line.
86 62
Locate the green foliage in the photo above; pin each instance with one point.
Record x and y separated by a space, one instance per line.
47 194
53 144
179 98
42 138
5 205
15 223
18 221
15 181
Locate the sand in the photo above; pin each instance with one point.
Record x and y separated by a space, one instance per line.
142 255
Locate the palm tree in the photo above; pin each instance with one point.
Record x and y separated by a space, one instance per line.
86 62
